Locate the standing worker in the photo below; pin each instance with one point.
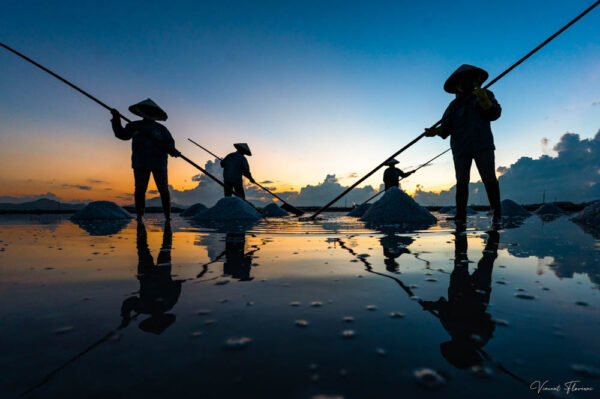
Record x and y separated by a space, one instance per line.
467 120
392 175
151 143
235 165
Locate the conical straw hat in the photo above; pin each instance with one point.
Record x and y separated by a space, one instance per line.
148 109
243 147
464 70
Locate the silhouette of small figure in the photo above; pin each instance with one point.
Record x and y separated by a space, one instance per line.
237 262
392 175
235 165
151 142
464 314
393 247
158 291
467 122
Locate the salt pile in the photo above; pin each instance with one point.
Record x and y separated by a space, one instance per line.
510 208
397 207
101 210
228 209
193 210
451 210
273 210
589 218
359 210
549 209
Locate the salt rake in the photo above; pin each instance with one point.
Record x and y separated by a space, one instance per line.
287 206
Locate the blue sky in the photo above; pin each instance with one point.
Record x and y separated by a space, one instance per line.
313 87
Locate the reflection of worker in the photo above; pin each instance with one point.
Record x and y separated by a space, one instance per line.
464 314
158 292
235 165
392 175
467 122
393 247
237 263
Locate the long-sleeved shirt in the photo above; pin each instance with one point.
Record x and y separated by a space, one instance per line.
469 125
391 177
235 165
151 143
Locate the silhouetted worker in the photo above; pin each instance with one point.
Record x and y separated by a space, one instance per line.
151 143
464 314
235 165
393 247
392 175
467 121
158 292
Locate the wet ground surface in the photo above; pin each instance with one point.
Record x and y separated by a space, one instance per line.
297 309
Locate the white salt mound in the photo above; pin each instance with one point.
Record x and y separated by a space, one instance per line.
397 207
451 210
511 208
101 210
193 210
549 209
359 210
274 211
589 216
228 209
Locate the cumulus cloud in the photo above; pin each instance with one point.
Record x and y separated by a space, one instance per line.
572 175
325 191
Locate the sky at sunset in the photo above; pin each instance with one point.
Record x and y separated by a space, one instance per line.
315 88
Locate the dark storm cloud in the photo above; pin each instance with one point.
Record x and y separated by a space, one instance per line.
572 175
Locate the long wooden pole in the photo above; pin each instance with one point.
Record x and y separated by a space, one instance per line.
497 78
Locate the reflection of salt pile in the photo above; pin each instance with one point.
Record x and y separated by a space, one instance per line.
549 209
101 210
228 209
451 210
193 210
589 219
511 209
273 210
359 210
397 207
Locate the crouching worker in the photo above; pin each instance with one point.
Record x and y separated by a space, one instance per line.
235 165
467 122
392 175
151 143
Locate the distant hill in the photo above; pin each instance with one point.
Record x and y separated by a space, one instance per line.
42 204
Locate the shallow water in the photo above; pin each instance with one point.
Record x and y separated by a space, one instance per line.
297 309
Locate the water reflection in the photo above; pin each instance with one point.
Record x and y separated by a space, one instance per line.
158 291
464 314
393 247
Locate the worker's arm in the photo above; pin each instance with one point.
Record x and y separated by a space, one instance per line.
445 128
169 143
403 174
120 132
489 108
246 170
